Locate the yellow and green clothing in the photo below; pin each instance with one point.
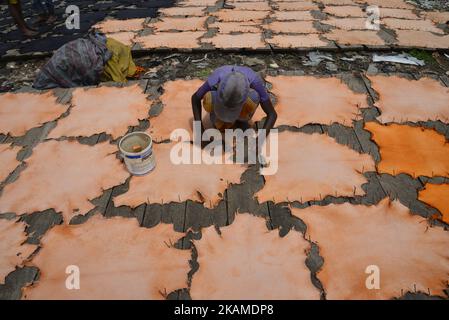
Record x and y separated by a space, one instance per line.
120 65
248 109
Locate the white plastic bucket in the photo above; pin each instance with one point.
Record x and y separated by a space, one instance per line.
137 151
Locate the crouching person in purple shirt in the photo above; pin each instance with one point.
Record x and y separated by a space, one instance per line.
231 96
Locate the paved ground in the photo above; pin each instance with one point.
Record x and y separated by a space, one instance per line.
357 186
52 38
257 25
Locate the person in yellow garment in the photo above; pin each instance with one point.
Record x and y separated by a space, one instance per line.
231 95
121 65
15 8
86 62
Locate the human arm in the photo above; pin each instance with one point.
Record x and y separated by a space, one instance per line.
197 105
268 108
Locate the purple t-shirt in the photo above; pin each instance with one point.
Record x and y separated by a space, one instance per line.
255 81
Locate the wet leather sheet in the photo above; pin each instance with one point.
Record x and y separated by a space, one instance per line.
227 15
252 6
229 27
177 109
296 41
292 27
181 24
116 258
106 109
295 6
398 13
355 37
310 167
437 195
196 3
170 182
402 100
292 15
183 11
338 2
347 23
438 16
64 176
127 38
422 39
247 261
303 100
228 41
353 237
412 150
114 25
398 4
419 25
20 112
184 40
345 11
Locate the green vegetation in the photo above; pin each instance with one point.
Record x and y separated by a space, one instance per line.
203 73
426 56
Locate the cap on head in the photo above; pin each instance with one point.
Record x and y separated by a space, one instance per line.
232 92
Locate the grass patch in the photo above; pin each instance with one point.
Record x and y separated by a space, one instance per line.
203 73
426 56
